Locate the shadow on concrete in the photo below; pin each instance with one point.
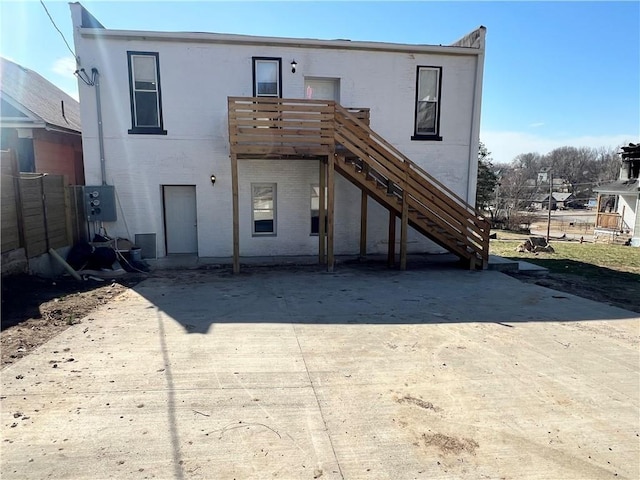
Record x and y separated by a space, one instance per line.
361 293
23 295
620 289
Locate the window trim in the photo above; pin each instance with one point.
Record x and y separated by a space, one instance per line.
274 233
141 130
421 136
254 62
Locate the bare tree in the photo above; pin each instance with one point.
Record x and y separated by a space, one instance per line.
514 193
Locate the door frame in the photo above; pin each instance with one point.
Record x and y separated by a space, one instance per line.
164 215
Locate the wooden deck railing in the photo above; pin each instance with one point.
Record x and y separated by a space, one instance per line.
610 221
267 126
440 206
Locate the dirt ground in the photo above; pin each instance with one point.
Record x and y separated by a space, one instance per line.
34 309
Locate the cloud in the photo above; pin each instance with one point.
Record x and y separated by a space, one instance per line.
505 145
65 67
537 124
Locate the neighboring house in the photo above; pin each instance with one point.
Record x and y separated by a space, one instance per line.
618 203
562 199
561 185
540 201
222 145
559 200
40 123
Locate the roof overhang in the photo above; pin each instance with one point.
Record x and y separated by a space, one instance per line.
31 124
621 187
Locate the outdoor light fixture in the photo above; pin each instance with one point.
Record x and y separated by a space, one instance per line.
294 64
213 179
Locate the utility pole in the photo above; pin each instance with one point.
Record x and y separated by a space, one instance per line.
550 177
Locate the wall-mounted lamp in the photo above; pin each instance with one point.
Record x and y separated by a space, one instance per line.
213 179
294 64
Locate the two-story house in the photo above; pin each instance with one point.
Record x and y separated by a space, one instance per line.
225 145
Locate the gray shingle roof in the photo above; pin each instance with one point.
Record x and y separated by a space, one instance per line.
39 96
561 196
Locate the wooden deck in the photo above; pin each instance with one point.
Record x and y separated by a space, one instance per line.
341 139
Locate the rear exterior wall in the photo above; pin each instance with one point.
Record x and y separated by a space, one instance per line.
197 78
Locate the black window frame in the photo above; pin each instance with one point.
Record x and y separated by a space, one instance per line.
255 232
254 61
145 130
422 136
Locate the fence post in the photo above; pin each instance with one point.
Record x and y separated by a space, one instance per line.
44 213
15 173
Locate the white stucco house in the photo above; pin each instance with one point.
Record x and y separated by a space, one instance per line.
224 145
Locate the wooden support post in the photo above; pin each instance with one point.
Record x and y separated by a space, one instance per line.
598 206
363 224
330 210
236 223
391 254
403 229
322 222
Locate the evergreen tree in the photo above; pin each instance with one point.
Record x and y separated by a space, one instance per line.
487 179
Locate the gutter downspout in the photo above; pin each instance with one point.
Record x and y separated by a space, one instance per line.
96 76
474 137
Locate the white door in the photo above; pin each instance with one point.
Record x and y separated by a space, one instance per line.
180 219
322 88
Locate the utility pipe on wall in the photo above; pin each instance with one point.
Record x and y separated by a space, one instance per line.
96 81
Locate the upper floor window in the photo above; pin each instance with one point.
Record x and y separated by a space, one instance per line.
267 77
427 114
144 88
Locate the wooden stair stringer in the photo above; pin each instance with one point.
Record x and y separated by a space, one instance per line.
384 173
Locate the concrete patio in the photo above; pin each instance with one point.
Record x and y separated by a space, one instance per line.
295 373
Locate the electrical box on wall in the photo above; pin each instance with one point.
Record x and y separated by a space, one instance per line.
100 203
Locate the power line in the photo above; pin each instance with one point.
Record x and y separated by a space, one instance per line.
59 31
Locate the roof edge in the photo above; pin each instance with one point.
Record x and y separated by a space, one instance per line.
224 38
475 39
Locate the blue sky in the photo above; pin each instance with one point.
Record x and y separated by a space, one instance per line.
556 73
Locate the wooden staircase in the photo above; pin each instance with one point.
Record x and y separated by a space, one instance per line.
401 186
276 128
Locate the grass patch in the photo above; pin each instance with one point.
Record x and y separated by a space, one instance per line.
606 273
574 257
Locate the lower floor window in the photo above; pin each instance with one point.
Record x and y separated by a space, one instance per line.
263 201
315 209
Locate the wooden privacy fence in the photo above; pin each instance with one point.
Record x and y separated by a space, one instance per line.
36 212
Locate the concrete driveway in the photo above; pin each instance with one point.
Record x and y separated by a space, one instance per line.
301 374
